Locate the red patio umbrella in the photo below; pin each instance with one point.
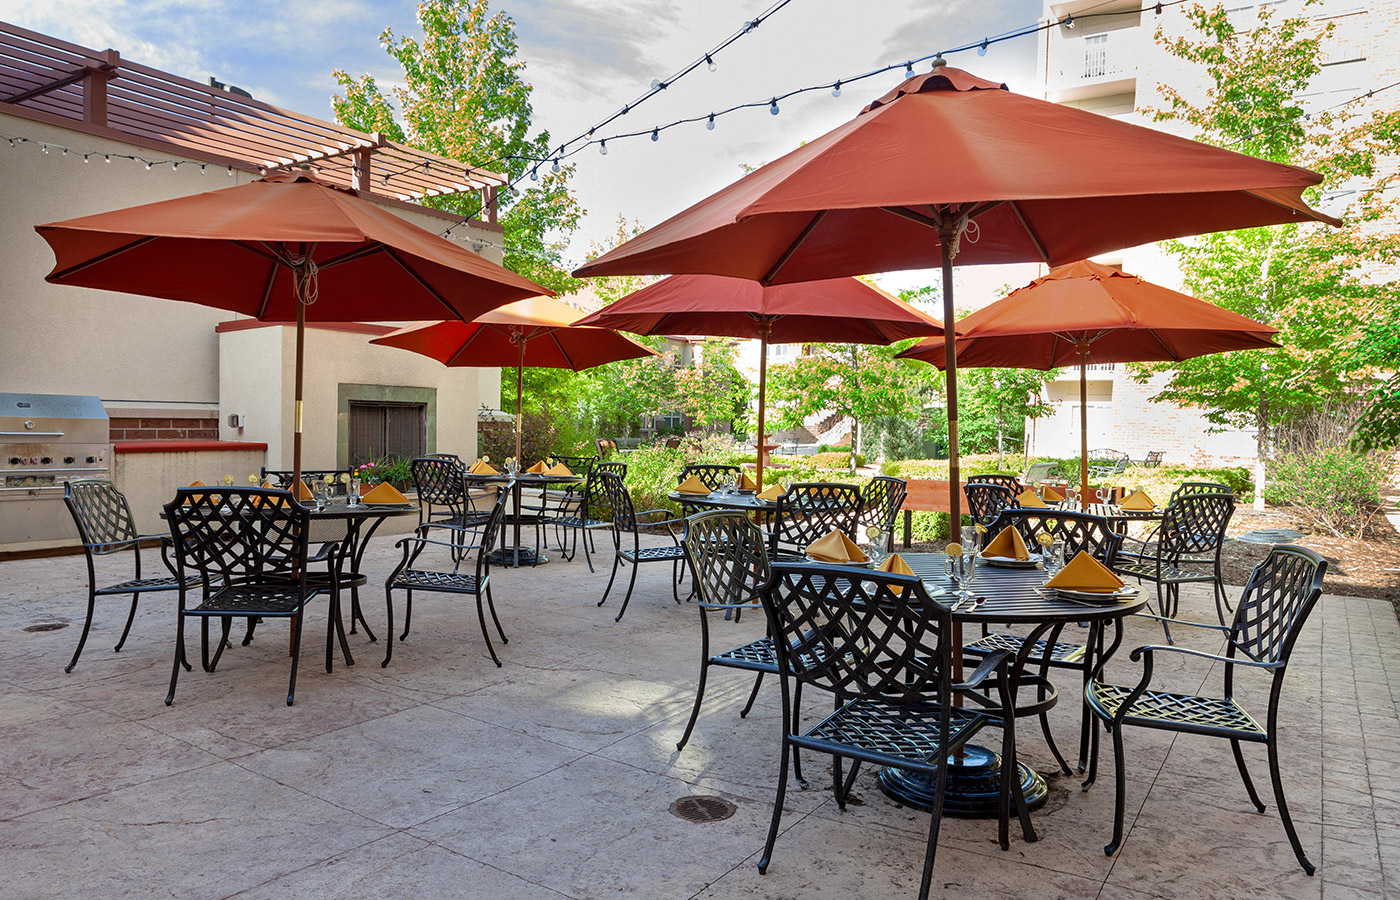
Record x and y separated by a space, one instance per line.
534 332
287 247
1086 312
840 310
995 177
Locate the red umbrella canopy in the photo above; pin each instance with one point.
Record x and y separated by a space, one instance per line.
1030 180
233 249
1120 317
844 310
544 327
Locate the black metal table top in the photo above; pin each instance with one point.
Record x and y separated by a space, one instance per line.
362 510
717 500
525 478
1115 513
1011 595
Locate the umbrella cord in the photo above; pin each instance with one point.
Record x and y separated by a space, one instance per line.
307 281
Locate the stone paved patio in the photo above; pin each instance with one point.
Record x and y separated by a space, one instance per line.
443 776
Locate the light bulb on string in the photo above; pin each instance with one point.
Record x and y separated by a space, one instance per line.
603 148
982 48
535 174
555 167
148 167
773 107
1068 22
909 69
710 124
655 134
201 169
836 89
709 61
65 151
44 148
107 157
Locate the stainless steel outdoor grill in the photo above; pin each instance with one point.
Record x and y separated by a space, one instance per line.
46 440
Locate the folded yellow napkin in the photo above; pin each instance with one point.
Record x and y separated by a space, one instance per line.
693 485
1008 544
385 493
482 468
896 565
558 469
1028 499
1084 573
1137 500
197 484
835 547
1051 495
746 483
772 492
304 492
537 469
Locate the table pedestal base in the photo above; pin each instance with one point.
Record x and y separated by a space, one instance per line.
506 556
974 783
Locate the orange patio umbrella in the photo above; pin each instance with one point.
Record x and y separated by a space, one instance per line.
948 165
534 332
1086 312
838 310
288 247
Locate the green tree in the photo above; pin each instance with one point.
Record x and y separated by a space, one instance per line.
713 391
1317 284
993 406
464 96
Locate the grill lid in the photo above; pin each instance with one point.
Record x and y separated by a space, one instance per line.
51 406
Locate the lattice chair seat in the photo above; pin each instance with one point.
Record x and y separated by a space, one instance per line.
422 579
904 733
148 584
1168 575
1062 652
579 522
1180 712
653 554
760 656
250 600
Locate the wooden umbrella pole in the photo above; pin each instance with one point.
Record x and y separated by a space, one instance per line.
1083 350
765 328
300 278
519 395
947 239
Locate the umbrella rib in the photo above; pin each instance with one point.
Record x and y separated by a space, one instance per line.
1030 232
101 258
553 335
787 254
432 292
267 289
351 256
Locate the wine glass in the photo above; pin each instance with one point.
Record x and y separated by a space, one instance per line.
876 534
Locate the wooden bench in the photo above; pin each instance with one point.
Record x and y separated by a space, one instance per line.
926 495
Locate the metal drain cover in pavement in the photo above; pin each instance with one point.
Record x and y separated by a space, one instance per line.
46 626
702 808
1270 536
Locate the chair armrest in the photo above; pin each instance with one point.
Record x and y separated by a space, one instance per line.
1147 615
1148 650
665 513
997 659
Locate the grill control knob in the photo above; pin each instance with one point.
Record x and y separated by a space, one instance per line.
14 460
68 460
92 459
46 460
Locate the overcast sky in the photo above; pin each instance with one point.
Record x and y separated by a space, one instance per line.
585 59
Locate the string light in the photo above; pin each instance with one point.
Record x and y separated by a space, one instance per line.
773 107
710 125
909 69
655 134
710 63
603 148
835 92
1068 22
982 48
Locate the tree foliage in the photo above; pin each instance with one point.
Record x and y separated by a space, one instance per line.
1320 286
713 391
464 96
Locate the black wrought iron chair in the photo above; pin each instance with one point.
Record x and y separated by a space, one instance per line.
1277 601
1079 531
729 562
627 542
1104 463
282 478
884 649
580 512
1186 551
985 500
711 475
880 501
579 465
249 548
808 511
410 576
445 499
105 527
1010 482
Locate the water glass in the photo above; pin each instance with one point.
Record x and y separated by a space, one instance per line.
353 495
878 538
320 491
1055 557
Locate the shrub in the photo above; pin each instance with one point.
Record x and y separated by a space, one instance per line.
1334 488
539 438
837 459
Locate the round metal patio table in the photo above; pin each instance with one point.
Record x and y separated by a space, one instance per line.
516 556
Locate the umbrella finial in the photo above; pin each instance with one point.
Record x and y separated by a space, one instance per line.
939 61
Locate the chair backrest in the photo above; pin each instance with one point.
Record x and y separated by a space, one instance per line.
1194 523
1278 599
606 447
494 523
1038 472
859 632
1200 487
440 483
1007 481
711 475
880 501
1104 454
808 511
101 513
1152 460
282 478
985 501
728 556
624 514
672 442
239 534
579 465
1079 531
617 468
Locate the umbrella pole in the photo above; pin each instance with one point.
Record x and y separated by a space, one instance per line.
950 357
519 393
764 329
300 276
1083 429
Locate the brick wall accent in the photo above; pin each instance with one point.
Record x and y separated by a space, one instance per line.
126 428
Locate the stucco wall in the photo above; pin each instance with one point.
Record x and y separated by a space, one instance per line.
149 480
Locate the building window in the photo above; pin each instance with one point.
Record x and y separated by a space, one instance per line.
387 429
1095 55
